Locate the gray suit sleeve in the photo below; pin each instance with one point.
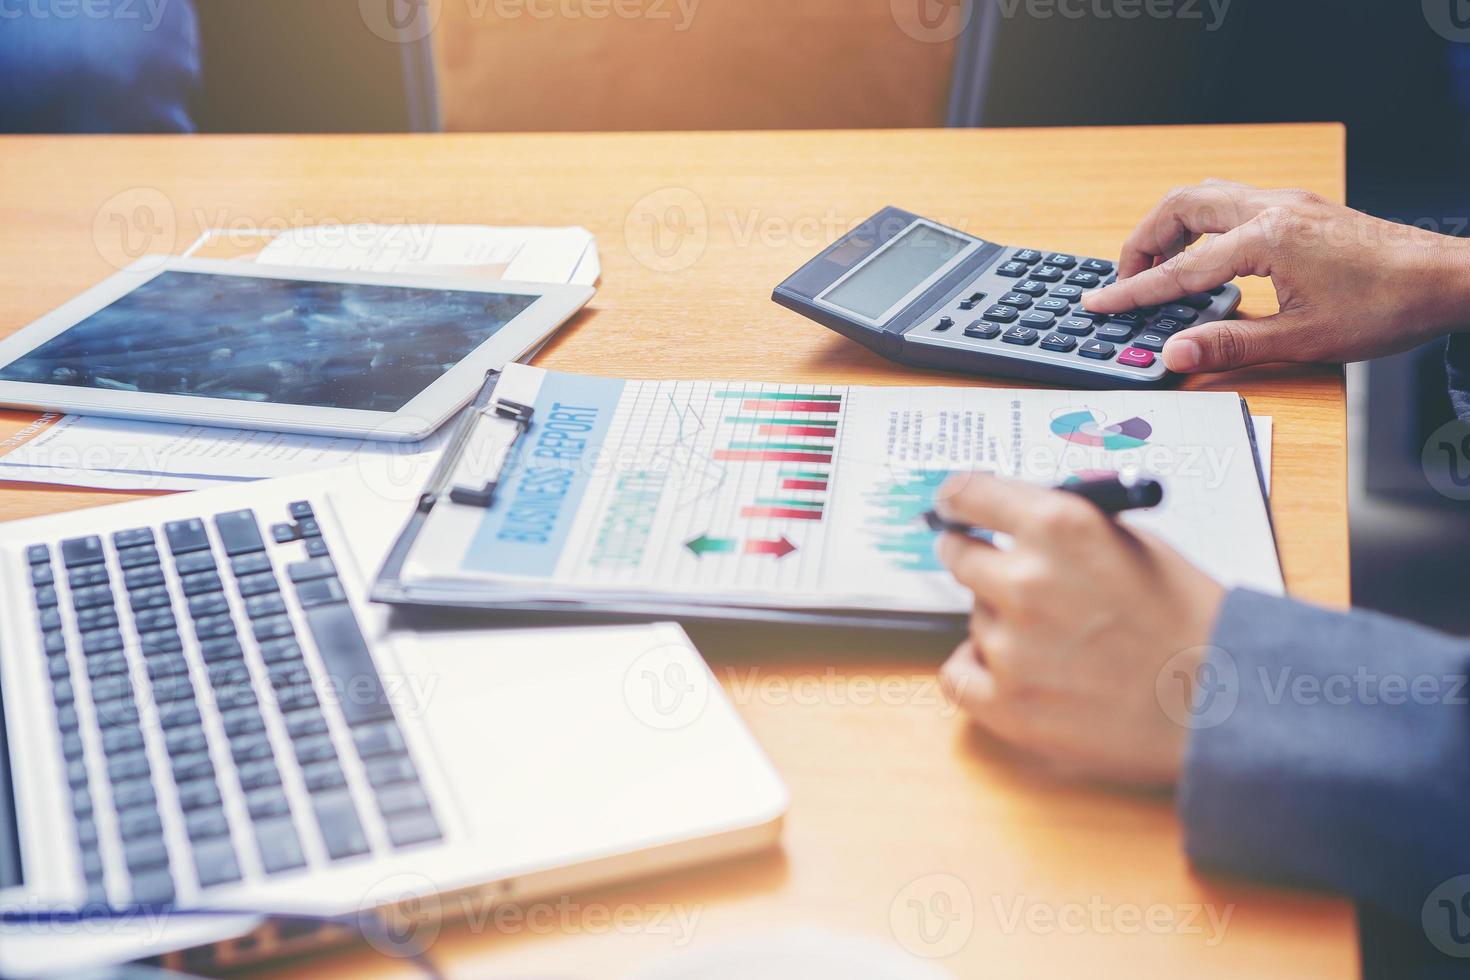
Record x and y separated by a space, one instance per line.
1330 750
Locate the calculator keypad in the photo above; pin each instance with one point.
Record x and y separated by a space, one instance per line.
1027 306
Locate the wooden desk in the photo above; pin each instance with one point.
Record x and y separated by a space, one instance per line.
887 788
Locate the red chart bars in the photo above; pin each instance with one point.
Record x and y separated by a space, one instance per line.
781 427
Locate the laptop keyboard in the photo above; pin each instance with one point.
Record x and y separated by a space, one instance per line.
184 698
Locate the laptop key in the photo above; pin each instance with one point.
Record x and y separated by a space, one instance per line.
141 822
215 862
214 627
341 829
155 597
301 508
316 548
37 553
280 848
82 551
80 578
302 723
381 739
315 748
138 557
349 663
264 802
151 620
220 650
405 829
193 765
43 575
312 568
45 596
321 776
194 563
249 748
258 584
186 536
280 651
403 798
143 578
250 564
92 595
198 794
131 765
239 533
182 741
205 823
390 770
270 604
155 887
254 775
132 537
272 628
201 583
145 853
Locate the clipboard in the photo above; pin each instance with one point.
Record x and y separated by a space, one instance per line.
461 478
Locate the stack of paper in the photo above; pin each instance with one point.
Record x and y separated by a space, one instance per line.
117 454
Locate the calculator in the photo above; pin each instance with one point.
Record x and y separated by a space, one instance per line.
923 294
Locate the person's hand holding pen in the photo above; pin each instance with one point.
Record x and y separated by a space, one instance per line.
1350 286
1073 623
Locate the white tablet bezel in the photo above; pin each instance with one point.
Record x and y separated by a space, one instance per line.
415 420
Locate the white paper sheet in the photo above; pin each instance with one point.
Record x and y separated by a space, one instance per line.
559 255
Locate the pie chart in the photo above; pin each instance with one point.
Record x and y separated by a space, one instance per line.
1085 428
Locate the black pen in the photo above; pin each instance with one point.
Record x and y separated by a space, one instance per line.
1112 495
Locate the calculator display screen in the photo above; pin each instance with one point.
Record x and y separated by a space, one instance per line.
893 273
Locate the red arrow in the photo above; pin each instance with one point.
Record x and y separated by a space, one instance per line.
780 548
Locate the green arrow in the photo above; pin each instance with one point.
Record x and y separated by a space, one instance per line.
704 543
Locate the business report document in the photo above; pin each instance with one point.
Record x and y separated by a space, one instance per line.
808 496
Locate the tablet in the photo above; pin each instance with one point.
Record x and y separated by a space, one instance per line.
238 344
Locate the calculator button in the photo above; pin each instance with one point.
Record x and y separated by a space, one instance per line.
1166 324
1183 314
1039 321
1097 350
977 298
1032 288
1114 331
1198 301
1012 270
1053 304
1027 255
1002 314
1128 319
1087 314
1058 342
1046 273
967 304
1087 280
1019 300
1150 341
981 330
1133 357
1096 265
945 322
1024 336
1061 260
1218 290
1076 326
1071 293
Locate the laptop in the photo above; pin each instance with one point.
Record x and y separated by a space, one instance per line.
201 711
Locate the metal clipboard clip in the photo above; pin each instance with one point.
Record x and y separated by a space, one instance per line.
502 408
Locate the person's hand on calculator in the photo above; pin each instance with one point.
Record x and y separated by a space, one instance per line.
1073 625
1350 286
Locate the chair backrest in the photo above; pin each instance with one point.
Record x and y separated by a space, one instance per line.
529 65
317 66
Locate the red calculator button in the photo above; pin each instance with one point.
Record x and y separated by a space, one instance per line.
1133 357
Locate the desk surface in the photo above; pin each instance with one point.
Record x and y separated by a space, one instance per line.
893 799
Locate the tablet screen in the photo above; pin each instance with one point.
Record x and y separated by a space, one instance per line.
288 341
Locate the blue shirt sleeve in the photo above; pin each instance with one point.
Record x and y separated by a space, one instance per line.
1342 758
98 66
